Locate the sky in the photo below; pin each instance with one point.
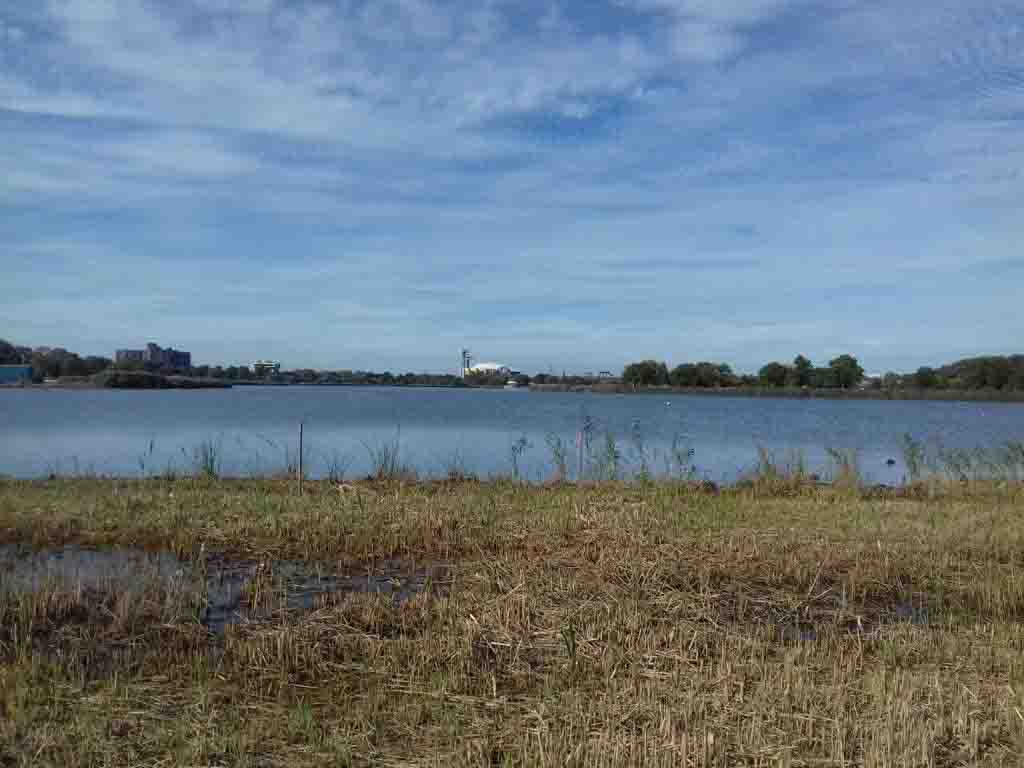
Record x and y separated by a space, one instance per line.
560 185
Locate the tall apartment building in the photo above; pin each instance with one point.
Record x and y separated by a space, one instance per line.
155 356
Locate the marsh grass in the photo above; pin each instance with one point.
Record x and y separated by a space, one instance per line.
207 458
386 462
519 447
775 474
932 461
456 469
601 624
559 451
336 466
845 470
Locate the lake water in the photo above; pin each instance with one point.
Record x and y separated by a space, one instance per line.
254 430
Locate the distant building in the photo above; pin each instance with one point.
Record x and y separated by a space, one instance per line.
15 374
155 356
489 368
263 368
129 356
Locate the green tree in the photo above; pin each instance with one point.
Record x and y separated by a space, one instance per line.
800 373
684 375
926 378
824 378
73 365
9 354
847 371
646 373
773 375
662 376
715 375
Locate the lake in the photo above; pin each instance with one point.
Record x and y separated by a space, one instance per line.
254 430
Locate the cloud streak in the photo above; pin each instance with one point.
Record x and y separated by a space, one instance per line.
385 181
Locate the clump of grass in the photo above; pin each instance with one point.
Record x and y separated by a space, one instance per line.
639 449
386 463
456 469
559 456
680 459
519 447
845 468
914 456
146 459
207 458
773 474
606 465
962 465
337 466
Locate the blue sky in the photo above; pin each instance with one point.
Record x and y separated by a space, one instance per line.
573 185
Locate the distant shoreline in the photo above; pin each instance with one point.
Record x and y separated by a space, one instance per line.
125 380
138 382
791 393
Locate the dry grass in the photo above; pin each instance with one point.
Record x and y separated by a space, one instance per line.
658 624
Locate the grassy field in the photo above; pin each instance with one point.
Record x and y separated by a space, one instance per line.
610 624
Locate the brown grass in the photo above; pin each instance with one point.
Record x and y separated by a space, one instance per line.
603 625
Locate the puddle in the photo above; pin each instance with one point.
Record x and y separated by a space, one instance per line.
899 613
233 590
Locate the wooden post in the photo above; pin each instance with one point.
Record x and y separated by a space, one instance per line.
301 469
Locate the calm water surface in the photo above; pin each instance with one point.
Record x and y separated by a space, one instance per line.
255 430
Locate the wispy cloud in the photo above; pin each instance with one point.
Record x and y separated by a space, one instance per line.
374 183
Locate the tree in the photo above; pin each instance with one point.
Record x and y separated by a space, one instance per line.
773 375
73 366
824 378
997 373
684 375
801 371
662 377
703 374
848 372
715 375
9 354
646 373
95 364
926 378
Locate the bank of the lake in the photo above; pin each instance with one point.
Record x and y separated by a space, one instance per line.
796 393
125 380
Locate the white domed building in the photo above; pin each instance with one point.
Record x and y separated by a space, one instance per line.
488 368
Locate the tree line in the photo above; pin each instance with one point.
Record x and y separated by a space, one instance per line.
993 372
842 372
53 363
